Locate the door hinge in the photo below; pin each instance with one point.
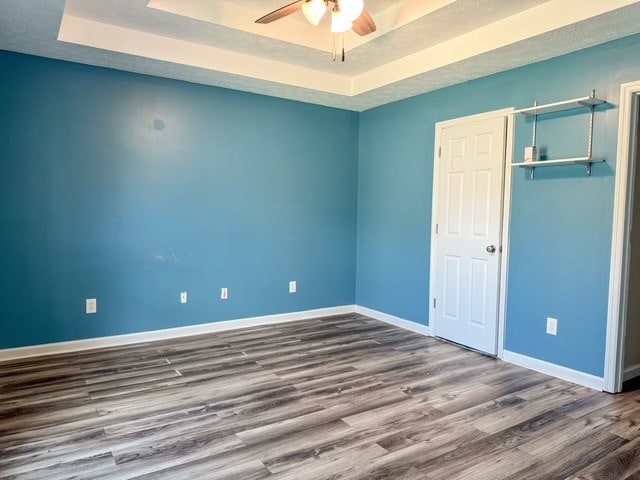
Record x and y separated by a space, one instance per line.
436 228
434 303
439 152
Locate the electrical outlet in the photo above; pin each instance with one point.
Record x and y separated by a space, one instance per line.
552 326
183 297
224 293
293 286
91 305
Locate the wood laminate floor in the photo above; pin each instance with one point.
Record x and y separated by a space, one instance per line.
334 398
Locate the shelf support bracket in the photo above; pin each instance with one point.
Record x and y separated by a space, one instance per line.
590 140
533 112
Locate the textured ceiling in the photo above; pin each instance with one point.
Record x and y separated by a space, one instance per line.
420 45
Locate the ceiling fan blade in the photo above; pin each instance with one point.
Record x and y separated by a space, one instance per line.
282 12
364 24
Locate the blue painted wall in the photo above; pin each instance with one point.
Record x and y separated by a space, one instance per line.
131 189
561 222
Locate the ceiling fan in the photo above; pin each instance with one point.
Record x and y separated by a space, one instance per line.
345 15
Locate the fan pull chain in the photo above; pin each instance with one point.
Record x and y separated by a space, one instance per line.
333 50
334 54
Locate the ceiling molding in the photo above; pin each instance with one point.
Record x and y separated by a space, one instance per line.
133 42
419 46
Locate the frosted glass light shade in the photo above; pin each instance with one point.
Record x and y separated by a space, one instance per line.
351 9
314 10
339 22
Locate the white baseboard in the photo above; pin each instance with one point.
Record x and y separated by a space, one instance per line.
119 340
396 321
554 370
631 372
169 333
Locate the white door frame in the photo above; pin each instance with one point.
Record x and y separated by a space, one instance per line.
506 214
622 211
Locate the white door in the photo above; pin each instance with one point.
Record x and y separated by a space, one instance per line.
469 186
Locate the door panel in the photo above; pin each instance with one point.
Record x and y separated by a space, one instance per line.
452 287
454 207
469 213
481 221
478 288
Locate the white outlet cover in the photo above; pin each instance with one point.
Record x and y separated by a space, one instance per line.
91 305
552 326
183 297
224 293
293 286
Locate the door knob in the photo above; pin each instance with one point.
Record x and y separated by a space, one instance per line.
491 248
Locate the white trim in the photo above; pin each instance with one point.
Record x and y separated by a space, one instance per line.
503 112
507 113
631 372
393 320
166 334
618 276
434 218
169 333
554 370
506 231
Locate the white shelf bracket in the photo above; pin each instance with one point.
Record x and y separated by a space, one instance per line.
589 102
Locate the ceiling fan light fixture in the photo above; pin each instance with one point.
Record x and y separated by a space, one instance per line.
314 10
352 9
339 22
345 15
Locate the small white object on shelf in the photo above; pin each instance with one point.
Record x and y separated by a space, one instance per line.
530 154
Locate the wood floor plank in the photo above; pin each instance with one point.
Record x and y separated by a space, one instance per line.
390 413
627 421
287 426
48 453
620 464
203 468
485 456
337 465
84 468
121 443
567 434
342 397
305 446
60 414
490 468
575 455
152 457
38 404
